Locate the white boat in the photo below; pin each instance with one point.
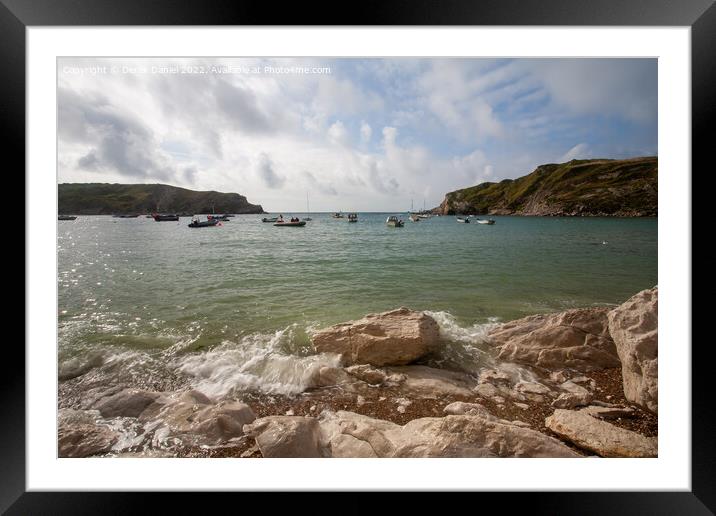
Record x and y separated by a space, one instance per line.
485 221
465 220
394 222
414 218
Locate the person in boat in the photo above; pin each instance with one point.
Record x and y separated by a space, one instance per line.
280 218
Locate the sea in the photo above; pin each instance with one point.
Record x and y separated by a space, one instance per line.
231 308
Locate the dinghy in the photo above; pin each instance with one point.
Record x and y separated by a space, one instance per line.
394 222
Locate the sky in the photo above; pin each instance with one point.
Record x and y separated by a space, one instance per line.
346 134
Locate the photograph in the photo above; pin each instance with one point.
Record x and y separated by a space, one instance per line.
357 257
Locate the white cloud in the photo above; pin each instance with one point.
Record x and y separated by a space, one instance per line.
337 133
365 132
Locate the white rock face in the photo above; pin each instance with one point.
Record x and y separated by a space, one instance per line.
634 328
577 339
598 436
397 337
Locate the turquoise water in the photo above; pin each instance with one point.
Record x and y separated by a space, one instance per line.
163 290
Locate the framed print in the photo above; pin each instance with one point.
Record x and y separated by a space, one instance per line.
429 239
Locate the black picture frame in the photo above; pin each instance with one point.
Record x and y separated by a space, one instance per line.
17 15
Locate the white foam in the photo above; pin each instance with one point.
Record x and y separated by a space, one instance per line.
256 362
452 331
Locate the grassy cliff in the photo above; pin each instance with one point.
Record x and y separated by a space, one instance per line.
598 187
108 199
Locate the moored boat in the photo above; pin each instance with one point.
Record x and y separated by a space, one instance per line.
165 217
394 222
465 220
196 223
66 217
125 216
352 217
218 217
269 219
338 215
414 218
489 222
295 224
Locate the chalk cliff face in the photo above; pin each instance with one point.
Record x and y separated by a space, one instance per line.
599 187
108 199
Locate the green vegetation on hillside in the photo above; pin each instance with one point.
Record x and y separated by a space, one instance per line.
580 187
110 199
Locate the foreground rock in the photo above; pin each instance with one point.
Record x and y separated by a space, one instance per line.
192 417
286 436
79 434
429 382
347 434
634 328
397 337
576 339
598 436
126 403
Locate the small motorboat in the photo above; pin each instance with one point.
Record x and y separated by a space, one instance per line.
352 217
291 224
196 223
271 219
126 216
218 217
489 222
165 217
66 217
414 218
394 222
465 220
424 215
338 215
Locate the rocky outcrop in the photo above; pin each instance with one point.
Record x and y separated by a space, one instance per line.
397 337
286 436
106 199
634 328
480 435
598 436
597 187
576 339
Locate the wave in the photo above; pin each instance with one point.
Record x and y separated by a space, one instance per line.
257 362
281 362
